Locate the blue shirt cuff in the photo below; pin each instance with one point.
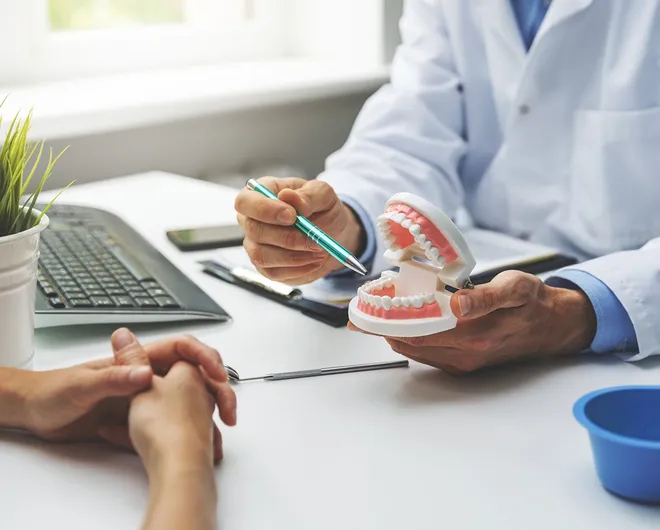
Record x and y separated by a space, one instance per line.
367 257
614 329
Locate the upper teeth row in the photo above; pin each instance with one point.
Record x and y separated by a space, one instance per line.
431 252
387 302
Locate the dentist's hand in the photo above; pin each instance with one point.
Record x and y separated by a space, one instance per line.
277 249
513 317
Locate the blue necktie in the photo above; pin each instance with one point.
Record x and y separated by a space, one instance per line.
529 14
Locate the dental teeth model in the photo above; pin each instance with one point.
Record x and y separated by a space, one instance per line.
431 253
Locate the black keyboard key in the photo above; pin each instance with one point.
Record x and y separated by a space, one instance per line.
73 292
95 292
102 301
137 291
123 301
157 291
56 302
80 302
166 302
47 289
145 302
149 284
65 284
118 291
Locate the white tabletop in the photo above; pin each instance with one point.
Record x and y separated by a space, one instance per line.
397 449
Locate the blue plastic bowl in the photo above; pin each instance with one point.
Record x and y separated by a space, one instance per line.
624 429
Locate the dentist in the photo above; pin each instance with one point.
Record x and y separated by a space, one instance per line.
538 118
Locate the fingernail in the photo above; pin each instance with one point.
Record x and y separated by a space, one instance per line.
285 216
122 338
139 374
464 304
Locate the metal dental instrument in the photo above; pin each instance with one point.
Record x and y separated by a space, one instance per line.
233 374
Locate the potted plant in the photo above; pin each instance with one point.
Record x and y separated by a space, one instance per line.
20 226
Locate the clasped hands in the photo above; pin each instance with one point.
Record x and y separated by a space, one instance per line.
152 398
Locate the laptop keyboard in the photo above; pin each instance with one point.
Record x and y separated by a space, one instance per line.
82 266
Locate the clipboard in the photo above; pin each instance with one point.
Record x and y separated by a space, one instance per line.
332 315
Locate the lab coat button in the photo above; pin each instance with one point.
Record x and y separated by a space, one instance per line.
524 109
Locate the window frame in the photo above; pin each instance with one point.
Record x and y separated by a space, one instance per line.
41 55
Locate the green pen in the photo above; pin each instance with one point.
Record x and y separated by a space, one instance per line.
317 235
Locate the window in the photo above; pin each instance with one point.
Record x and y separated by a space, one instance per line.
68 15
63 39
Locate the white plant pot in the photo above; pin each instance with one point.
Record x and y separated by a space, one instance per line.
19 256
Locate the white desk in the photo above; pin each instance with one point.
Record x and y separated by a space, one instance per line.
397 449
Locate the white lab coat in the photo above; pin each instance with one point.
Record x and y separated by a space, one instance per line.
560 145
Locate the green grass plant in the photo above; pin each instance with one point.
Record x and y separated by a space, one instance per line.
19 162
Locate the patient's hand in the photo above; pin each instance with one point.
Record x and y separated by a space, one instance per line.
90 402
173 419
277 249
515 316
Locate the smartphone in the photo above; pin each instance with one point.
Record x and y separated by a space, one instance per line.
207 237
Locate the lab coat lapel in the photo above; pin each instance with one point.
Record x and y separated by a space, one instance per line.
509 63
505 51
559 11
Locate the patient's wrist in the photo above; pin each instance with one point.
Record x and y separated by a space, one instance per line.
14 398
172 454
180 463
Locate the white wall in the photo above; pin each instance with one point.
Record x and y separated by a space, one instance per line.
302 135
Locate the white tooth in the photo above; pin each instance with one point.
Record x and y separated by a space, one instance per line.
372 299
434 253
407 223
378 301
427 245
361 295
396 301
420 238
415 229
387 302
405 301
388 283
388 274
389 241
441 261
429 298
398 218
417 301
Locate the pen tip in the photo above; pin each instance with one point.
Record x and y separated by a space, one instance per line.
356 266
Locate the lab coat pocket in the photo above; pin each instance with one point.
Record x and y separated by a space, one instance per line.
615 179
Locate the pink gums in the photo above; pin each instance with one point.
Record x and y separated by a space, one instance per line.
404 238
399 313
